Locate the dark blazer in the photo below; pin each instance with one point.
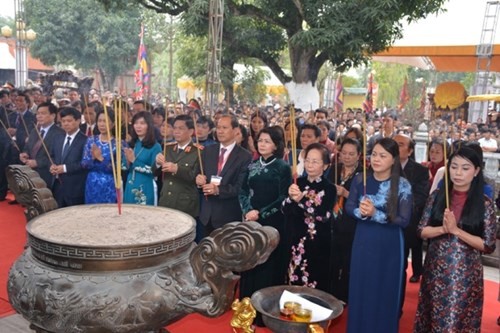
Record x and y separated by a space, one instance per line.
225 207
69 189
179 190
40 155
418 176
83 128
21 134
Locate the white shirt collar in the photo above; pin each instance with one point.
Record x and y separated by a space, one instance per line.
183 147
403 164
46 128
229 148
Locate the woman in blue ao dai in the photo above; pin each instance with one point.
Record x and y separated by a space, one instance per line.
100 184
382 209
141 187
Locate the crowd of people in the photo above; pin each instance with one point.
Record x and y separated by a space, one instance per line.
347 221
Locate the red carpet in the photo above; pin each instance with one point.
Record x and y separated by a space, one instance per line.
13 237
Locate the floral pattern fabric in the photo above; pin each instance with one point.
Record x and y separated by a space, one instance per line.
264 187
141 187
309 226
451 291
100 184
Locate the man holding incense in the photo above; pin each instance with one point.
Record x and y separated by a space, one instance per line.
40 141
179 164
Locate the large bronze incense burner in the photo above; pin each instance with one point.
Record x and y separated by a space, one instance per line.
88 269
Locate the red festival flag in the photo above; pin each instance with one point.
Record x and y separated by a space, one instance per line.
404 97
142 70
339 95
368 102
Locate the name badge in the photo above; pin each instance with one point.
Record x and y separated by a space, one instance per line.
216 180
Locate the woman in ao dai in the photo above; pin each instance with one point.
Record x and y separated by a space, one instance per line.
141 158
308 212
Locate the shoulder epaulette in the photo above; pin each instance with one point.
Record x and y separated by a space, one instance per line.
199 146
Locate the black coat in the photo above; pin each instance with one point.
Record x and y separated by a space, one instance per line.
21 133
225 207
418 176
69 189
43 160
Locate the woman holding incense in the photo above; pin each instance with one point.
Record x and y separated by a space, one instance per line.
99 157
381 203
341 174
308 213
460 223
141 160
265 187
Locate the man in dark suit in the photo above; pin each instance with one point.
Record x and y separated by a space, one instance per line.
67 153
35 152
89 113
224 166
20 124
388 130
418 176
179 169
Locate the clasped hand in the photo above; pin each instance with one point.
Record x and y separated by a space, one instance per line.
449 222
166 166
252 215
129 154
96 153
56 169
366 207
341 191
295 193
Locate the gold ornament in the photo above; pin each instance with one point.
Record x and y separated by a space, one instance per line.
243 316
315 328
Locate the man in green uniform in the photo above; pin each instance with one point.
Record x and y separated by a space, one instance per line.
179 166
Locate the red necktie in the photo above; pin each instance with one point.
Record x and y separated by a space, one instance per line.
89 131
221 160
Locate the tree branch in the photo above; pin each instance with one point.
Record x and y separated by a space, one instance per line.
298 5
165 6
276 69
252 11
315 65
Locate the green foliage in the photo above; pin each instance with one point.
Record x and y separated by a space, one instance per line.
251 87
346 33
82 34
466 79
160 30
390 79
350 81
192 56
4 20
